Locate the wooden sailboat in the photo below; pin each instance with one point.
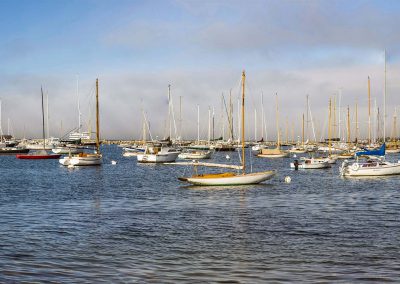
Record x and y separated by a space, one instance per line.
86 159
277 152
40 154
230 178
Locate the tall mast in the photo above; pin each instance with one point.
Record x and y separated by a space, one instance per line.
209 125
369 110
339 111
348 124
44 134
262 116
308 137
334 116
302 133
47 113
243 154
180 118
213 123
384 104
97 119
231 115
278 143
356 139
198 124
169 111
255 124
329 126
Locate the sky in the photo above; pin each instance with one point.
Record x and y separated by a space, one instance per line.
323 49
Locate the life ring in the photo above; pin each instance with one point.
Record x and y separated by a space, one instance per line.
355 167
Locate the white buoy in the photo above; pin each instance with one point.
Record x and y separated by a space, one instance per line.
113 162
288 179
294 155
227 157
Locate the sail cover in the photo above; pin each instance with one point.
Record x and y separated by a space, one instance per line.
379 152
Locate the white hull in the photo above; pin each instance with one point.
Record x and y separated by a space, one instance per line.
89 160
323 165
253 178
370 169
195 155
157 158
66 150
38 147
281 155
392 151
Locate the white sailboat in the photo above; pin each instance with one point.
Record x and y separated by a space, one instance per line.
229 178
86 159
375 164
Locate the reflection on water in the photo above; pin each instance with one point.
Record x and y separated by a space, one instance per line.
138 223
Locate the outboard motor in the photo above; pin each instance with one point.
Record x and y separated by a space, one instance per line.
296 164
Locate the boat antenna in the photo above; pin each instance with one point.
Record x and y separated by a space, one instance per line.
44 134
97 119
243 155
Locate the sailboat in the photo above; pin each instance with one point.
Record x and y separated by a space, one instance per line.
277 152
229 178
40 154
375 165
86 159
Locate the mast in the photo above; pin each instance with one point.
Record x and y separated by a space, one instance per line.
302 133
198 124
97 119
384 103
47 114
44 133
278 143
262 116
169 111
243 154
180 118
329 126
357 129
255 124
348 124
339 111
369 111
209 125
308 136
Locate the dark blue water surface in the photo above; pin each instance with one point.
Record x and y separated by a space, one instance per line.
137 223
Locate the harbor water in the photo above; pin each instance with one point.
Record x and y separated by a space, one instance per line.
130 222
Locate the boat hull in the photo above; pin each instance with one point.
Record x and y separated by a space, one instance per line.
362 170
282 155
13 151
90 160
157 158
37 157
196 155
233 179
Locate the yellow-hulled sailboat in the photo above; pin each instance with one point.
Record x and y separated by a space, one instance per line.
229 178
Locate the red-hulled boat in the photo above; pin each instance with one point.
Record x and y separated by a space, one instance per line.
40 154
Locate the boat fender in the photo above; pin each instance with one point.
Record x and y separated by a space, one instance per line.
355 167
